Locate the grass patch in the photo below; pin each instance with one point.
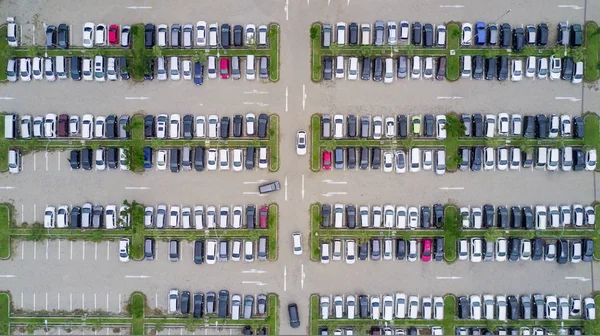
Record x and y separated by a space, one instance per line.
5 241
139 59
449 315
314 314
273 229
4 145
592 132
591 71
272 319
274 33
315 215
136 249
315 143
452 65
4 312
315 60
137 304
452 227
274 143
6 52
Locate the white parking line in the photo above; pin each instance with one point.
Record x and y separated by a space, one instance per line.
46 156
22 300
34 213
155 300
22 250
303 97
84 250
33 301
107 250
95 306
71 250
286 98
34 162
70 301
22 213
47 243
59 249
95 250
46 301
286 188
34 251
107 301
58 161
82 301
120 303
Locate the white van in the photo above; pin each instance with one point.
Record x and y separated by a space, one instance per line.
250 67
212 35
10 126
339 67
365 34
389 71
466 67
174 73
416 68
353 68
61 67
338 210
541 157
262 158
440 162
415 159
212 67
211 251
173 301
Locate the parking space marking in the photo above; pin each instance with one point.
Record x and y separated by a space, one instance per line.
71 301
71 250
286 188
59 161
34 213
82 301
34 162
33 301
59 249
46 301
155 300
22 250
95 301
58 301
107 250
120 303
304 96
107 296
95 250
302 186
46 157
22 213
47 243
22 300
34 251
286 98
84 250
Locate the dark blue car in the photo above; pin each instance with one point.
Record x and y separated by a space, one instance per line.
198 73
147 157
480 33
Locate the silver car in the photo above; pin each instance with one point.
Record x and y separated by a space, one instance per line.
379 32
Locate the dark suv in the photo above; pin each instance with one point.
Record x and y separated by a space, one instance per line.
149 31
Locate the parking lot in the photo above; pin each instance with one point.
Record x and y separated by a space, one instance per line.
46 179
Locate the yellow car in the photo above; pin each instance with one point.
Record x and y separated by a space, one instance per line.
416 124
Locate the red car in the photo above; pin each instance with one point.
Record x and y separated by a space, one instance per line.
224 66
327 160
426 254
113 34
263 214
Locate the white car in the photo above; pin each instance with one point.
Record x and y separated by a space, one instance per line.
400 162
413 217
350 306
174 71
211 251
73 125
212 67
400 309
340 68
297 243
542 68
413 305
426 308
250 120
213 31
224 159
161 36
237 160
502 162
301 143
201 34
440 121
124 249
110 217
250 34
263 158
99 71
100 35
350 252
525 249
428 68
530 67
404 30
375 307
440 161
463 249
590 160
555 67
553 159
427 159
111 70
161 159
563 308
416 68
388 307
415 159
62 217
565 125
475 304
88 34
501 249
49 70
390 131
503 124
200 127
577 73
589 308
174 126
340 29
476 249
516 124
49 217
377 216
186 69
11 33
25 69
488 306
551 307
353 68
464 215
213 125
86 71
590 215
517 70
392 35
238 210
324 304
211 159
199 217
488 161
37 68
388 162
467 34
388 216
50 123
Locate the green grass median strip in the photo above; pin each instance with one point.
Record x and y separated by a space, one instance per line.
451 231
137 306
315 222
6 52
315 60
591 72
5 241
315 143
4 314
453 62
273 143
274 39
273 231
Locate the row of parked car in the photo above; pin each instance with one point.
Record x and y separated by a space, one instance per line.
525 307
492 34
382 69
52 126
383 249
197 218
200 158
213 127
476 125
388 216
200 304
539 217
514 249
517 331
387 307
214 250
87 216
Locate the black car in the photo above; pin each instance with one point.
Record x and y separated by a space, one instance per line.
562 251
75 217
185 302
294 317
378 69
112 157
353 34
123 70
542 34
476 158
518 39
477 130
198 252
567 69
198 73
149 126
402 126
351 126
515 217
210 302
238 32
238 121
541 131
438 215
263 123
505 31
514 249
86 158
502 217
588 250
438 252
513 307
176 35
365 73
199 158
149 32
463 308
174 159
578 160
363 306
51 37
338 158
428 35
111 126
502 68
351 158
198 305
325 215
223 303
488 215
429 125
363 251
74 159
364 158
537 249
478 67
63 36
425 217
527 213
188 126
376 158
490 68
578 128
224 127
576 35
327 68
416 33
351 216
225 36
529 127
400 249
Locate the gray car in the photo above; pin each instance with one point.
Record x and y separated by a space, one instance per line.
261 304
264 67
248 305
97 216
379 32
